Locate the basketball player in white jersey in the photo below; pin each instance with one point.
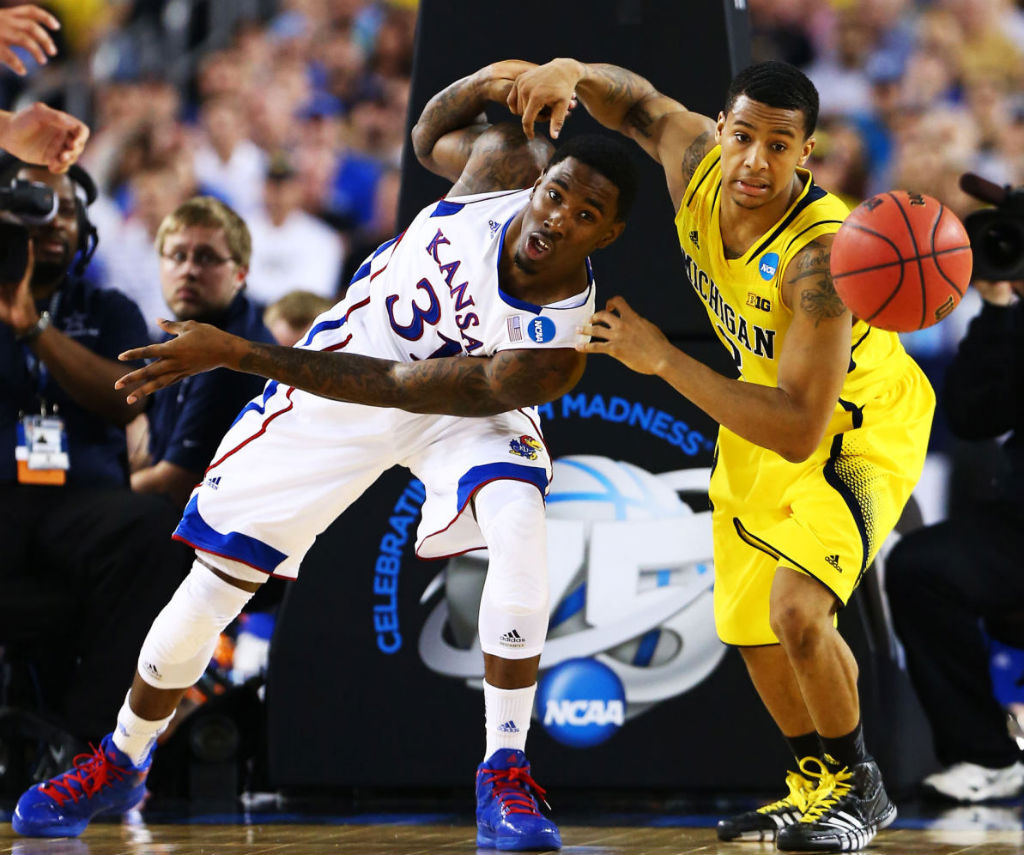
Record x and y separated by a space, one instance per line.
473 311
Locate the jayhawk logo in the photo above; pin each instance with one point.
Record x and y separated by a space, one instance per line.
525 446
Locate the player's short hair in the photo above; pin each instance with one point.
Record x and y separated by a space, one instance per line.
209 213
609 157
779 85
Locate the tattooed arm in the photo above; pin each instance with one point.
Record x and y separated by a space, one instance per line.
623 101
456 386
789 418
453 138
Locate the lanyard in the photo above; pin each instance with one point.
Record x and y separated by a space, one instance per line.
36 367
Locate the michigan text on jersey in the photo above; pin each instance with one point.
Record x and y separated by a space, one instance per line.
735 325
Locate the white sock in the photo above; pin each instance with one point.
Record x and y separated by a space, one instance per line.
136 736
507 717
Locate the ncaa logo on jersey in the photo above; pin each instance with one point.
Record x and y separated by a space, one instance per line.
540 329
768 265
581 702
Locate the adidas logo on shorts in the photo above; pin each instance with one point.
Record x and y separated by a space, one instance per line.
513 639
833 561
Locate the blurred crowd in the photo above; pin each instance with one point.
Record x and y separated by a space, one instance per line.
291 112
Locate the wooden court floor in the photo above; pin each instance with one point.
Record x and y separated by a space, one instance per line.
959 831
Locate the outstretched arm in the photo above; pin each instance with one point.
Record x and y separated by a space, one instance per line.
454 140
623 101
789 418
456 386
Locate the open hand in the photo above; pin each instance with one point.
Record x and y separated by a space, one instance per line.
633 340
23 26
41 135
196 348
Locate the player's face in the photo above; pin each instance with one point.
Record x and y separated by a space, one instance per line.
54 243
198 276
761 148
572 212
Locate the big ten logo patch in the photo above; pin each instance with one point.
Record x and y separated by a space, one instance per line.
759 302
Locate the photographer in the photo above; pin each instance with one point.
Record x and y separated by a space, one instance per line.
944 580
74 535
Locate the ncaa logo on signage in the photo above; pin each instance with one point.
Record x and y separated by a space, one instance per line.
581 702
540 329
769 264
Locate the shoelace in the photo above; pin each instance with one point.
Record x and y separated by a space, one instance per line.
799 789
831 788
92 772
512 788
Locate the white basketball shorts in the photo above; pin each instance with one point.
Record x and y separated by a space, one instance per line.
292 463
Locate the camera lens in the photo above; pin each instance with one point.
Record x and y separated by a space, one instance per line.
1003 243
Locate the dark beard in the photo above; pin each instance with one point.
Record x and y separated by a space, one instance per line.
524 265
48 272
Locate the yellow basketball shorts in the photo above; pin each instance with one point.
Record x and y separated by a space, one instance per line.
826 516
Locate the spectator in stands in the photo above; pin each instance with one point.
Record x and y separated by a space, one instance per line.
204 250
841 71
227 162
290 317
839 161
291 249
382 224
74 537
943 581
220 73
129 255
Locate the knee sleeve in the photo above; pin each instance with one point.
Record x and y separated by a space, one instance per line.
181 641
514 607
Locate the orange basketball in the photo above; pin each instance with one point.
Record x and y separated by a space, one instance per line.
901 261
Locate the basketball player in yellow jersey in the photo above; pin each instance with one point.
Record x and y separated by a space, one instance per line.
822 438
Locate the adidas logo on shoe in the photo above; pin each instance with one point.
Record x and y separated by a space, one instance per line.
513 639
508 727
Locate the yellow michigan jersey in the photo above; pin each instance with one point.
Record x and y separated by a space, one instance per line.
825 516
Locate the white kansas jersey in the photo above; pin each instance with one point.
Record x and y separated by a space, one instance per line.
433 291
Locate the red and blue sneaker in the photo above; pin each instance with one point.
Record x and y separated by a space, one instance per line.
104 782
507 816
